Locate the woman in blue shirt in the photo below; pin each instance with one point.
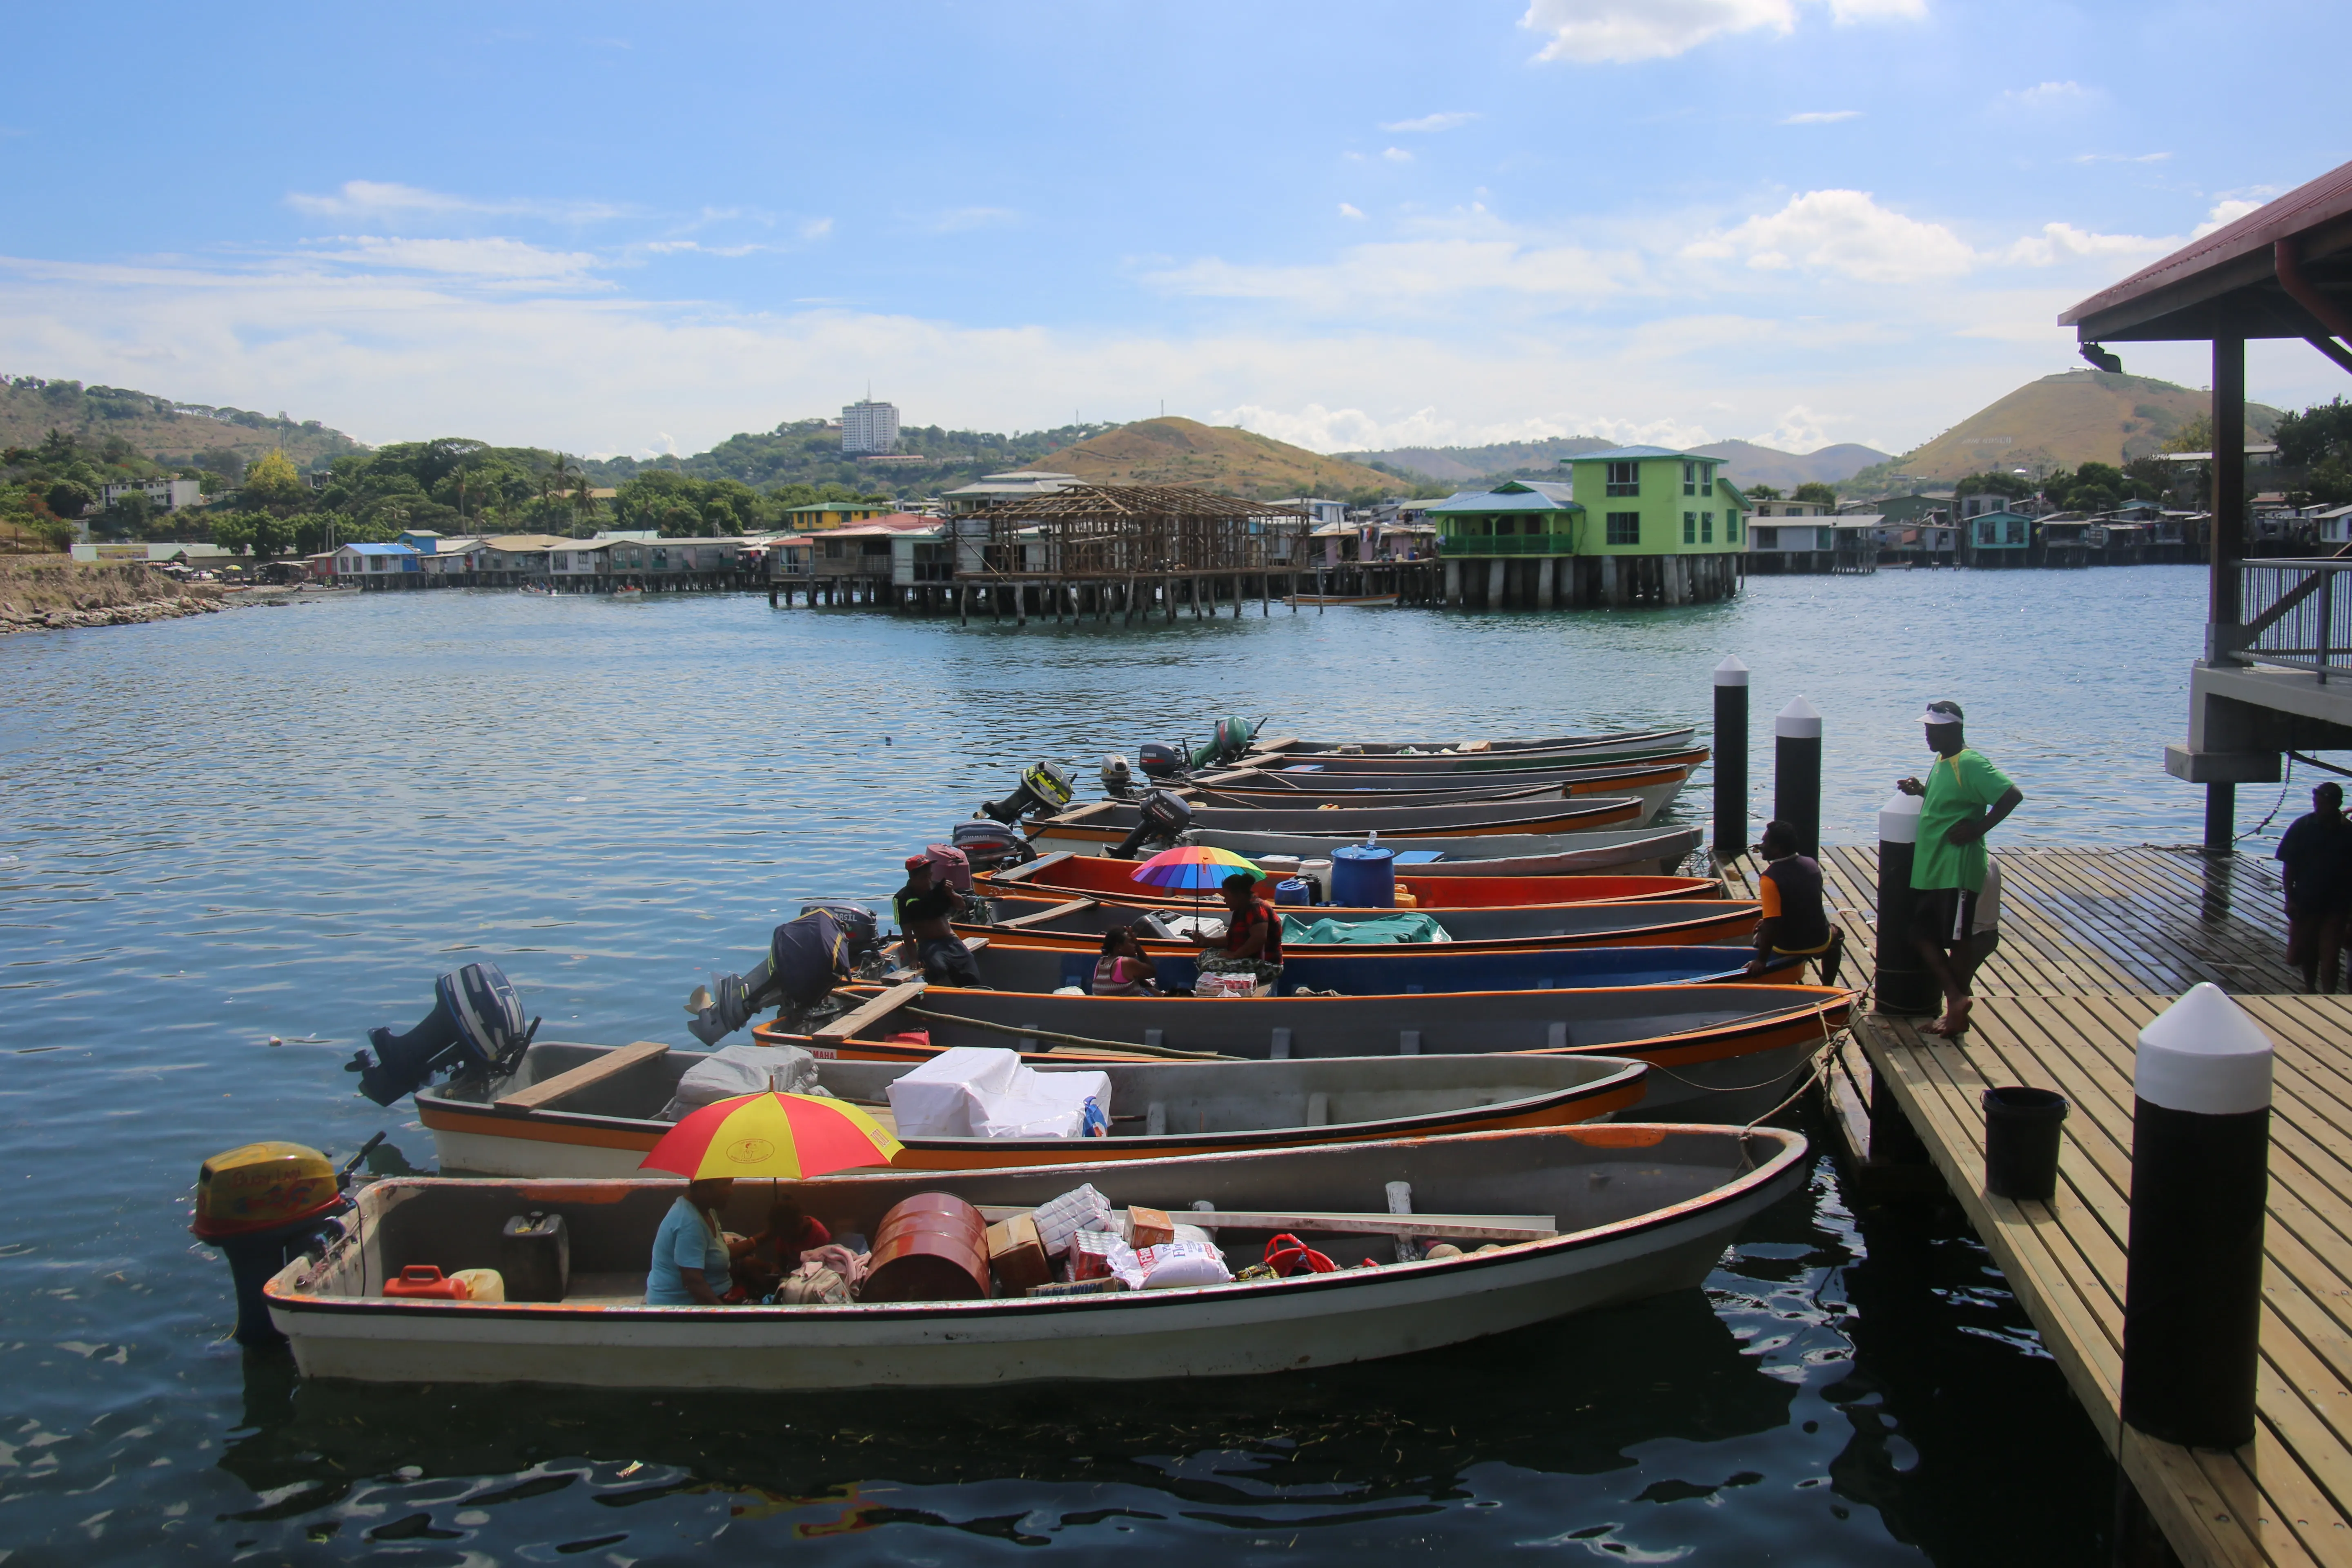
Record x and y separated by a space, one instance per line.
690 1264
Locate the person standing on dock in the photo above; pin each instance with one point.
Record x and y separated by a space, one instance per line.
1963 799
2315 858
924 908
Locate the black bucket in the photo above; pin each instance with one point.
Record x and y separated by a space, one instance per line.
2022 1130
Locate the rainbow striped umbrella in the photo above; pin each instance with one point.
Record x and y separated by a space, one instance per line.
1194 865
771 1134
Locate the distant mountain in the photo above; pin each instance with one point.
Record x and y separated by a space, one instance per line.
1172 451
2061 421
1745 463
157 427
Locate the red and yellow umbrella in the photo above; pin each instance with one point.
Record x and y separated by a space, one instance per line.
771 1134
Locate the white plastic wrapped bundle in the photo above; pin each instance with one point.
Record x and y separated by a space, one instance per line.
1080 1208
1174 1264
731 1071
979 1091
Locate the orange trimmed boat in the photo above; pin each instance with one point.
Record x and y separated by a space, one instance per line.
1113 883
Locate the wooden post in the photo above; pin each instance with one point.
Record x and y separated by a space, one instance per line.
1497 573
2223 637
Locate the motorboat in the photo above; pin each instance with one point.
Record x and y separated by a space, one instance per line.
1584 1216
1372 971
594 1111
1113 881
1112 821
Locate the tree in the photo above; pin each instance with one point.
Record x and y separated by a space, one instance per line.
1762 492
127 516
257 533
67 498
1996 482
1815 490
2197 435
273 483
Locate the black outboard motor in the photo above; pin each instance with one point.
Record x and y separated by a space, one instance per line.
1046 788
990 846
857 923
476 1026
807 957
1118 778
1160 763
1164 815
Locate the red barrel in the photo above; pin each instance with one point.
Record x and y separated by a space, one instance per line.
932 1247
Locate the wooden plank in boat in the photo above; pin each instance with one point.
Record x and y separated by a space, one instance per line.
1023 873
1505 1228
873 1012
612 1063
1075 906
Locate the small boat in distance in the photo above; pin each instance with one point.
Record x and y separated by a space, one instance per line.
1579 1217
591 1111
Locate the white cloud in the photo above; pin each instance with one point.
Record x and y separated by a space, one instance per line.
1349 209
2049 95
1844 232
2121 157
1452 119
816 229
2223 215
492 259
1822 116
1396 156
2060 241
1402 272
374 198
1619 32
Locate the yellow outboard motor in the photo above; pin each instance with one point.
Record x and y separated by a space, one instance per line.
264 1205
1045 787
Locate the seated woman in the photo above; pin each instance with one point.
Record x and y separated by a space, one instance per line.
1252 939
690 1264
1122 969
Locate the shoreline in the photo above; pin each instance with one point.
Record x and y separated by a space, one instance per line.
45 594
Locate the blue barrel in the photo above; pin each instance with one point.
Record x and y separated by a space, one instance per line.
1363 877
1292 890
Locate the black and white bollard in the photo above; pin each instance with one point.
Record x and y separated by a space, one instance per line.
1797 773
2200 1175
1903 983
1731 758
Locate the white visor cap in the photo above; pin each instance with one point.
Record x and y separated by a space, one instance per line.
1935 716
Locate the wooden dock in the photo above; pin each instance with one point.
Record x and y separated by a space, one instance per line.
2094 944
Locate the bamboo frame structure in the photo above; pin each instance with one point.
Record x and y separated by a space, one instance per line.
1132 532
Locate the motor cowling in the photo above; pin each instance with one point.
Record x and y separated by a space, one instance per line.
807 957
1163 815
1160 762
1118 778
1228 741
476 1026
990 846
1044 787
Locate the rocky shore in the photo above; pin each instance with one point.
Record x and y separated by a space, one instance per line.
52 595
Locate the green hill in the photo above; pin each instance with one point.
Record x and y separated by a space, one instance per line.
1172 451
170 433
2061 421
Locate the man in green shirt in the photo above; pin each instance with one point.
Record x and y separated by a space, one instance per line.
1964 798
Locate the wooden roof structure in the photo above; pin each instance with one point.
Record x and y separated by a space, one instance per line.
1109 531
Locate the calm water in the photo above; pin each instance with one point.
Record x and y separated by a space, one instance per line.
285 822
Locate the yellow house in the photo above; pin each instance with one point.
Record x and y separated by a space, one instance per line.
823 514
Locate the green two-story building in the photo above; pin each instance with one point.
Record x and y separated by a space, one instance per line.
1634 525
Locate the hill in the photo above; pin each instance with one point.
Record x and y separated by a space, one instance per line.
2061 421
157 427
1745 462
803 451
1172 451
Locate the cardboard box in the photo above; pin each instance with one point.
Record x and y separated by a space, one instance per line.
1149 1228
1016 1255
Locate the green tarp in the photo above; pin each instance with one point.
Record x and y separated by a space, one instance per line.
1401 927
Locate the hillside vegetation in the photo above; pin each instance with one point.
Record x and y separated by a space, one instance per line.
157 427
2061 421
804 452
1173 451
1745 462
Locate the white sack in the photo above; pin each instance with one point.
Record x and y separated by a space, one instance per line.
734 1070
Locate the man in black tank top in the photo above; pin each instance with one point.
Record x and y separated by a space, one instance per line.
1795 920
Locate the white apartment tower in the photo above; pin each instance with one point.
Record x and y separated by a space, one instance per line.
870 428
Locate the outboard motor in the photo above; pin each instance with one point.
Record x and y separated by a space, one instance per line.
990 845
1046 788
1160 763
807 957
1118 778
857 923
1165 814
1228 742
476 1026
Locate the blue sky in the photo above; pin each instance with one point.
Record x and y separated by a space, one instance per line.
635 229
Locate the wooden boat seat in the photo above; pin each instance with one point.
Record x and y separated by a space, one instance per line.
609 1065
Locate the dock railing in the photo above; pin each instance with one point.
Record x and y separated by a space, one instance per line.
2297 614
